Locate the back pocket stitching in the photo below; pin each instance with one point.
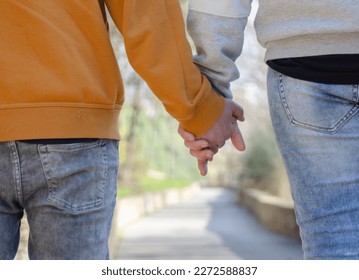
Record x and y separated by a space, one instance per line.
58 202
331 130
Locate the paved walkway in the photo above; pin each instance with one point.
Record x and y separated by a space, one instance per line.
211 226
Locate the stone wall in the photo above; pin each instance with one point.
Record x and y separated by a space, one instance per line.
273 212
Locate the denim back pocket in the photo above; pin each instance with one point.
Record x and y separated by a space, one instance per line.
320 107
76 174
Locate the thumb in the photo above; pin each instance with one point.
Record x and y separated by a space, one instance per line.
237 111
237 138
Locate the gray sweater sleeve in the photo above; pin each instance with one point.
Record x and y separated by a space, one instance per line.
217 28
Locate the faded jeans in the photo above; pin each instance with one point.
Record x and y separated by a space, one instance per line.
68 192
317 130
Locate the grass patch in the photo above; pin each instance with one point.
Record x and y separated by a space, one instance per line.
152 185
125 191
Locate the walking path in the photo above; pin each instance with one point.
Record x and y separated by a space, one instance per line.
211 226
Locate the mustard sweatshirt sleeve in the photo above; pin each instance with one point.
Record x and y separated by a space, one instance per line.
157 48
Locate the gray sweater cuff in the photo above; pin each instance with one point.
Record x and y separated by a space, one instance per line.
218 41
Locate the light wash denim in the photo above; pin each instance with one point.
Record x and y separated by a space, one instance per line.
317 130
68 192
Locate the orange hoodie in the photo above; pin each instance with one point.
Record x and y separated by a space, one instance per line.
59 77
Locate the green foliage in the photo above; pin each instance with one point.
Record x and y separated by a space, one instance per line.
158 149
261 156
158 146
262 166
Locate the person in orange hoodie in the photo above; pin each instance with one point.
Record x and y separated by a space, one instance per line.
60 98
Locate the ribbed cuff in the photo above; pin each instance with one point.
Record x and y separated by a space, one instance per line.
205 115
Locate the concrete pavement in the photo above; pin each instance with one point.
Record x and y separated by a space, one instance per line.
210 226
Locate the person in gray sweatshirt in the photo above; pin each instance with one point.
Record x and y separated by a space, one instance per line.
312 50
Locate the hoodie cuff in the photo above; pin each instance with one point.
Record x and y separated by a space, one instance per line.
205 115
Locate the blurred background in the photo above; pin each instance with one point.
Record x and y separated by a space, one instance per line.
241 210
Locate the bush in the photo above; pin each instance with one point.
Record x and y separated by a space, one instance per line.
262 167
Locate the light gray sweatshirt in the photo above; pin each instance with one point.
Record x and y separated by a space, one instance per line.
285 28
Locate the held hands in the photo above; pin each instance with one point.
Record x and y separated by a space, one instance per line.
207 145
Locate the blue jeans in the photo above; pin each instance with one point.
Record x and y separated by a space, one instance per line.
68 192
317 130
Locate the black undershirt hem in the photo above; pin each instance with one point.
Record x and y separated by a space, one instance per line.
327 69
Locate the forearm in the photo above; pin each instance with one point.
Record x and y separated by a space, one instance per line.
217 30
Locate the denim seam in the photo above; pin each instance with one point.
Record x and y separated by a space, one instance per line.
104 149
16 172
284 100
355 94
331 130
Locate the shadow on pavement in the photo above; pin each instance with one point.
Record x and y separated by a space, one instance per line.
244 235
